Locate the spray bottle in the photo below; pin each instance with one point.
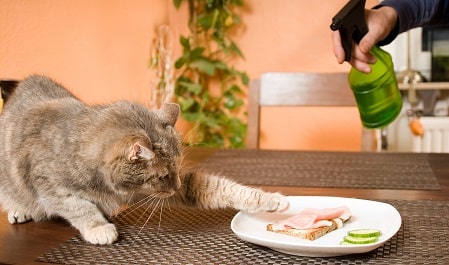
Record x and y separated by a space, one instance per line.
377 94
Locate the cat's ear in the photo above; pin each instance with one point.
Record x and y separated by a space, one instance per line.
137 151
171 112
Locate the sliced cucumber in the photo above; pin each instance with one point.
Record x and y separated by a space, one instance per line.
365 233
360 240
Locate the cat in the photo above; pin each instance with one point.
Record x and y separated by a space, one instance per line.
62 158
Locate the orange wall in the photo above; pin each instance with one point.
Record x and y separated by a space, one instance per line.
100 50
294 36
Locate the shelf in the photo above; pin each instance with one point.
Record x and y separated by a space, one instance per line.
425 86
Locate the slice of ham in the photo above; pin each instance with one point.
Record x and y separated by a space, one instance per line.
313 218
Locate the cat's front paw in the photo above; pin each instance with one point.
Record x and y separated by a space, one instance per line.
269 202
18 217
102 235
274 202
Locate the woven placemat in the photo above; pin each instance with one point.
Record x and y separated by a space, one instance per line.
324 169
186 236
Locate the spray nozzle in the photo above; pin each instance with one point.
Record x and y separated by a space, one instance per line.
350 22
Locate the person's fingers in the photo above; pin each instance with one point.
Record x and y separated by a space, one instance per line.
362 61
339 52
359 60
361 66
359 55
367 43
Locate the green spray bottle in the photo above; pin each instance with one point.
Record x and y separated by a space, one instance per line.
377 94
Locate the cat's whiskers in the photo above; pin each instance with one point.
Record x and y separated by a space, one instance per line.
190 132
130 198
157 203
160 214
185 165
135 206
167 200
152 201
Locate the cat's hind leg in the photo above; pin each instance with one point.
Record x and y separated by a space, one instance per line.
22 211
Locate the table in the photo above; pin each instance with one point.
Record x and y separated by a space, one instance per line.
22 244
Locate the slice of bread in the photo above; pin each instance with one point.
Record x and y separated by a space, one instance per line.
310 234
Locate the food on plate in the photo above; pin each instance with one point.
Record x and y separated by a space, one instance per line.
361 236
365 233
312 223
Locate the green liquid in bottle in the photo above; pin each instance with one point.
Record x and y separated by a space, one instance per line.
377 94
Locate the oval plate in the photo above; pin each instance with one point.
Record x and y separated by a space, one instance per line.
365 214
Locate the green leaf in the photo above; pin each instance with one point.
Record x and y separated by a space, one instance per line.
206 21
218 38
180 90
180 62
214 123
232 102
186 103
185 42
191 116
196 53
216 140
229 103
215 17
234 48
237 2
236 89
204 65
177 3
191 87
205 97
245 78
237 125
236 141
220 65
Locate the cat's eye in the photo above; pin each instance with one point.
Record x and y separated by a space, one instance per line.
157 147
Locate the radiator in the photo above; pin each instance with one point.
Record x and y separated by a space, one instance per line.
436 136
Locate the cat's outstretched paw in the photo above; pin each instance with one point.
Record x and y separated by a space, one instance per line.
18 217
101 235
274 202
269 202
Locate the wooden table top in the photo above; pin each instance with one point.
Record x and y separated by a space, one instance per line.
22 244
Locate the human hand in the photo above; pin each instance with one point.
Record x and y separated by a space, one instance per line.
380 23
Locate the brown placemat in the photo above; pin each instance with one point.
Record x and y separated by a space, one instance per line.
186 236
324 169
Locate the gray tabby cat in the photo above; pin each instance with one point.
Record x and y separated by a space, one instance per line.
60 157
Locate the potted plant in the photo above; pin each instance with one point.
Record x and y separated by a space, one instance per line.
208 87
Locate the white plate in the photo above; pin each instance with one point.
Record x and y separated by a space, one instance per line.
365 214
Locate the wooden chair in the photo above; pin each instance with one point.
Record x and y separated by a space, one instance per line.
298 89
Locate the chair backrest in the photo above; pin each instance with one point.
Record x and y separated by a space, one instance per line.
296 89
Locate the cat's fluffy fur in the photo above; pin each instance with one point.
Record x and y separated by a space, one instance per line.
61 157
